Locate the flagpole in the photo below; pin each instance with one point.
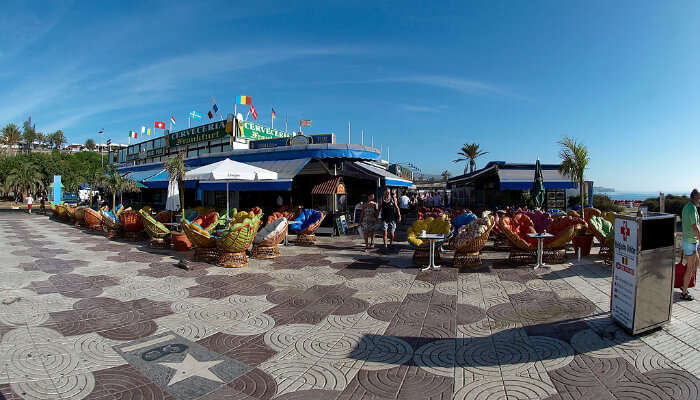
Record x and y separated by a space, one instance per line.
188 121
273 121
362 137
285 123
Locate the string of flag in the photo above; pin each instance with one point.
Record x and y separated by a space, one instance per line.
213 111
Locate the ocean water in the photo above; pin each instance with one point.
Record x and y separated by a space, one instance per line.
635 195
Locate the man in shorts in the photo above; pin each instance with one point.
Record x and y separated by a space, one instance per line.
691 233
390 214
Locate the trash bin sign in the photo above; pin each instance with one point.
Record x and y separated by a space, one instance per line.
643 266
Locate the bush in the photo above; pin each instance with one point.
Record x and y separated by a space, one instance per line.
600 201
673 204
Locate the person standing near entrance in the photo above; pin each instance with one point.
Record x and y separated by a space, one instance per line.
404 204
30 200
42 203
691 233
368 219
390 214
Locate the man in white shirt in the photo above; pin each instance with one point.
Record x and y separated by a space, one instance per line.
404 204
30 201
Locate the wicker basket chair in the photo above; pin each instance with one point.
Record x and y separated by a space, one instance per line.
70 212
305 226
563 228
523 248
93 219
132 225
421 248
80 215
542 219
208 221
234 242
54 210
604 232
202 239
111 224
265 243
156 231
457 222
471 238
281 214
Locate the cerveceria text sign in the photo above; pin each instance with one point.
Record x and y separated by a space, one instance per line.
254 131
214 130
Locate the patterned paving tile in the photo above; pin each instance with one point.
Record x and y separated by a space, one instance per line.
78 314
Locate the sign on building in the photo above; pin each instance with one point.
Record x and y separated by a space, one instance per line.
254 131
214 130
401 171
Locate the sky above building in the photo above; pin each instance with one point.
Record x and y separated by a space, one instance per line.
514 77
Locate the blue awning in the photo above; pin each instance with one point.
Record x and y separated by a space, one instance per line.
140 176
522 178
388 178
286 169
161 181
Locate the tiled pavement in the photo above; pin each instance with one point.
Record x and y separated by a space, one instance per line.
85 317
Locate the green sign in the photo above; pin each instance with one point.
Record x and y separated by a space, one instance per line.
254 131
215 130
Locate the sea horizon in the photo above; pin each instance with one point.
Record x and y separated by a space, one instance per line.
637 195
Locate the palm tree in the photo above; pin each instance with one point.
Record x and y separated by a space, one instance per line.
574 160
128 186
469 152
113 182
176 170
11 135
59 139
90 144
25 179
41 138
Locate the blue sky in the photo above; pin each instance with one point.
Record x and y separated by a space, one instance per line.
515 77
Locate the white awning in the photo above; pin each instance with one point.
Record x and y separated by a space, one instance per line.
229 170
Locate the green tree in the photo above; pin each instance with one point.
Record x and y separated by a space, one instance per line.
11 135
128 186
58 139
176 170
469 152
29 134
41 138
574 160
90 144
25 179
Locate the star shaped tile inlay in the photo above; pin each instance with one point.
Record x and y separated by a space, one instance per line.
190 366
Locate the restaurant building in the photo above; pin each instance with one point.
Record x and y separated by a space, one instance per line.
303 164
500 184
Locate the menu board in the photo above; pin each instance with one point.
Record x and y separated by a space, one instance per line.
624 283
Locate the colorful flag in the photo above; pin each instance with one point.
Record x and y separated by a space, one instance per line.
143 129
214 109
196 116
172 120
148 132
274 115
244 100
159 124
253 112
305 122
133 134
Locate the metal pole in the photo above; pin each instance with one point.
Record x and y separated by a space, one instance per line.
102 162
387 153
227 201
362 137
348 132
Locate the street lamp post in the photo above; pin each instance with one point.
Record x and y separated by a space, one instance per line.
102 162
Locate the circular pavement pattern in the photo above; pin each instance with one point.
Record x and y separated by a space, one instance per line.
680 385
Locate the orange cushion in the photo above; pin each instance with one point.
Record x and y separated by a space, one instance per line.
521 225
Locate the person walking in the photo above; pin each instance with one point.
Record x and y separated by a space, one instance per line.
368 219
404 205
390 214
42 204
30 200
691 233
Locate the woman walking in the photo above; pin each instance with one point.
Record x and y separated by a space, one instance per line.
368 219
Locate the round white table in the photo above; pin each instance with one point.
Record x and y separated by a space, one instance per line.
432 238
540 248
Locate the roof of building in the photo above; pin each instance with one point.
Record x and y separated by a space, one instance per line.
516 176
